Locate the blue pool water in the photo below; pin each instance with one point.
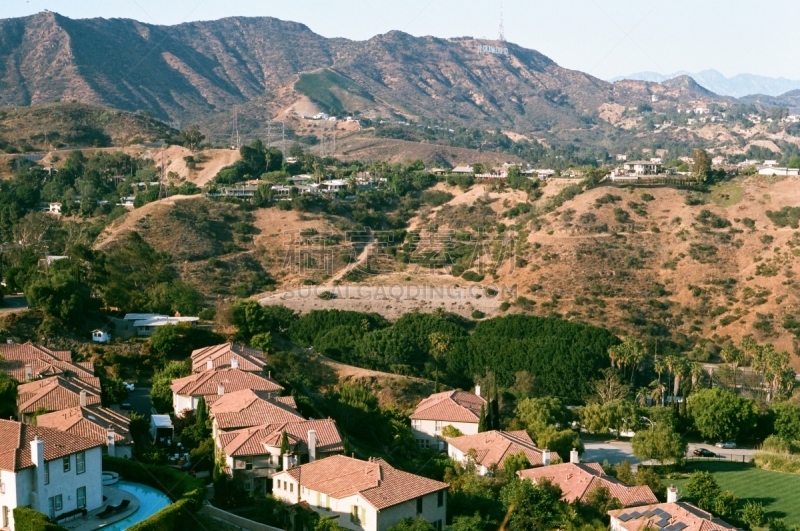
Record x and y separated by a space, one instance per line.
150 502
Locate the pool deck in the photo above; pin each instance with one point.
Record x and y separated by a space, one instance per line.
90 522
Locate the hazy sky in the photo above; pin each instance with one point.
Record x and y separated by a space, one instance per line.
603 37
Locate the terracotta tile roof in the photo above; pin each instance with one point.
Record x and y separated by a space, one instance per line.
91 423
207 383
221 356
252 441
247 408
578 480
452 406
493 447
57 393
663 515
15 449
380 484
43 361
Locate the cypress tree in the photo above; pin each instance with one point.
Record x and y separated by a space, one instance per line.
482 420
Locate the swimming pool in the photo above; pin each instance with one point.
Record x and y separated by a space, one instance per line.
150 502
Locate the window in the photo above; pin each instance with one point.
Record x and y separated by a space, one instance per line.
438 426
440 498
358 515
57 502
66 463
437 525
416 424
419 505
81 495
46 473
80 462
291 487
51 507
248 462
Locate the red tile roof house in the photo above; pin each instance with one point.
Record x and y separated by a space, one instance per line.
47 470
27 362
490 449
228 355
458 409
254 454
109 427
55 394
671 516
577 480
362 495
248 408
211 385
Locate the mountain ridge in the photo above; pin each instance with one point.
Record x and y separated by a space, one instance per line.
196 70
738 86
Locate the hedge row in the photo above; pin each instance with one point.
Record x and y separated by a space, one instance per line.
186 492
777 463
26 519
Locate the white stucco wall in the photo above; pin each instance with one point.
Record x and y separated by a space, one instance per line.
19 486
426 429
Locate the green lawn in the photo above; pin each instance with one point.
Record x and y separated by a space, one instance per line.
778 492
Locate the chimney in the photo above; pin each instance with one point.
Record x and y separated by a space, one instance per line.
220 389
287 461
209 365
672 494
478 390
312 446
234 362
37 458
112 445
574 458
545 457
83 398
28 372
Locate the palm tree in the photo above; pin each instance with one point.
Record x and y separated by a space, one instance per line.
733 357
696 370
660 367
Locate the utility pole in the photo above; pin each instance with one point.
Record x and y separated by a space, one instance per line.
235 141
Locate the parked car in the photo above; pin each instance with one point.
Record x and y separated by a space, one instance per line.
702 452
730 445
130 386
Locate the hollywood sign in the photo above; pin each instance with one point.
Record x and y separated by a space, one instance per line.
495 50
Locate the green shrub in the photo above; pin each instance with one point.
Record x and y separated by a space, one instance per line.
778 463
472 276
26 519
504 306
436 197
777 445
477 314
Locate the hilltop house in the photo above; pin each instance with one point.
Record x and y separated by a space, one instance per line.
248 408
100 424
577 480
228 355
145 324
50 471
55 394
643 167
458 409
670 516
362 495
489 450
253 454
211 385
27 362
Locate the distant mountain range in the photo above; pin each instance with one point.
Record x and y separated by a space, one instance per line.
196 72
737 86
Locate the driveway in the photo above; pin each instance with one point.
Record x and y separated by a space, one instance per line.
616 452
140 402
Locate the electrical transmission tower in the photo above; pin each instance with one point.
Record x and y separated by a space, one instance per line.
282 135
235 141
502 35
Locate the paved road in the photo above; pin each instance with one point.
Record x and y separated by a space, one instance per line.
13 303
140 402
617 451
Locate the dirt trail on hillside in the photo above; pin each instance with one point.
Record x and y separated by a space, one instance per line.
129 220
